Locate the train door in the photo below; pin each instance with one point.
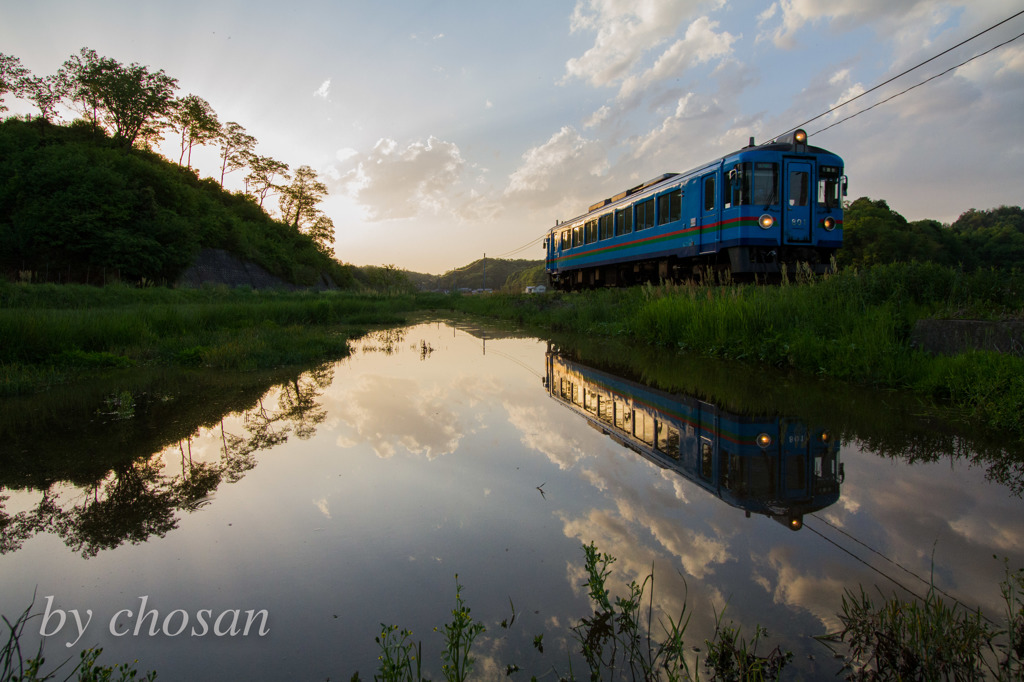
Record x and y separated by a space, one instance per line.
710 216
796 205
794 479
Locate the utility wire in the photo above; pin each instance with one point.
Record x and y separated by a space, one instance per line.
904 73
930 584
903 92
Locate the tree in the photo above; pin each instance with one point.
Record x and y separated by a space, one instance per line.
321 230
263 172
195 120
298 205
46 93
236 147
12 77
299 199
130 102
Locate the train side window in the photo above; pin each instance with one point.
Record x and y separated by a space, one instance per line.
706 460
645 214
670 206
590 231
605 222
667 439
624 221
577 236
709 193
565 239
643 427
766 183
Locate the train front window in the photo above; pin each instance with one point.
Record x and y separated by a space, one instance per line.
829 186
798 186
766 183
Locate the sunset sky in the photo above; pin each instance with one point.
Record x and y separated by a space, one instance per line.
446 130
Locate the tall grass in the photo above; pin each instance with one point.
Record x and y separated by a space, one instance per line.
50 334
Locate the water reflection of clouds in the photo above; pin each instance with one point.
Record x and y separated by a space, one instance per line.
389 412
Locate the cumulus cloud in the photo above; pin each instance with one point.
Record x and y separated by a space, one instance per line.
624 33
324 91
783 20
567 159
394 182
699 45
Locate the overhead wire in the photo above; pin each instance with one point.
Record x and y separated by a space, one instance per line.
917 85
905 72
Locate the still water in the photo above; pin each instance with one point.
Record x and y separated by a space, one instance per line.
268 524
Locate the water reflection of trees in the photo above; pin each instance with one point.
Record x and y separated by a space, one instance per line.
142 497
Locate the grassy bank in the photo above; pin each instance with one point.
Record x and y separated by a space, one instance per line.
853 327
53 334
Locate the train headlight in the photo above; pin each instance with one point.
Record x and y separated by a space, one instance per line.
765 221
764 440
800 136
829 223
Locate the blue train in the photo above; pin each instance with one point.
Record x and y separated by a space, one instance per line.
773 466
748 212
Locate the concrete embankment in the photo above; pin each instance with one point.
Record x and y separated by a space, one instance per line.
948 337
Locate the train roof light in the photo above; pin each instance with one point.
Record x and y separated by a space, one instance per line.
800 136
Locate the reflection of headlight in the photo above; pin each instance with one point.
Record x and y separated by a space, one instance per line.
764 440
765 221
796 523
825 436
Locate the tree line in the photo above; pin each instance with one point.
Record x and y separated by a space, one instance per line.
137 108
874 234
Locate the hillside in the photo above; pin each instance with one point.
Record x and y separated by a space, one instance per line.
77 207
490 273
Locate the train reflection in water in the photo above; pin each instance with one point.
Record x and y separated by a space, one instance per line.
774 466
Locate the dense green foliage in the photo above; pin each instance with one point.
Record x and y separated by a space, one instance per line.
875 234
77 207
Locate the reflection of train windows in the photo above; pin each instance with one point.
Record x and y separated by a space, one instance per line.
623 415
590 401
796 472
604 409
643 426
705 459
667 439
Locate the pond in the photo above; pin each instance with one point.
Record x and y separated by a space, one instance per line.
265 525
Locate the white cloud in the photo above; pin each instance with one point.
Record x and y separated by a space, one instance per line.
625 32
700 45
324 91
567 159
393 182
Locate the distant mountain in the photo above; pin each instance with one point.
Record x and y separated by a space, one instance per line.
486 273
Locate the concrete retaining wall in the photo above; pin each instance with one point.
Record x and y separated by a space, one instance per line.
948 337
216 267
